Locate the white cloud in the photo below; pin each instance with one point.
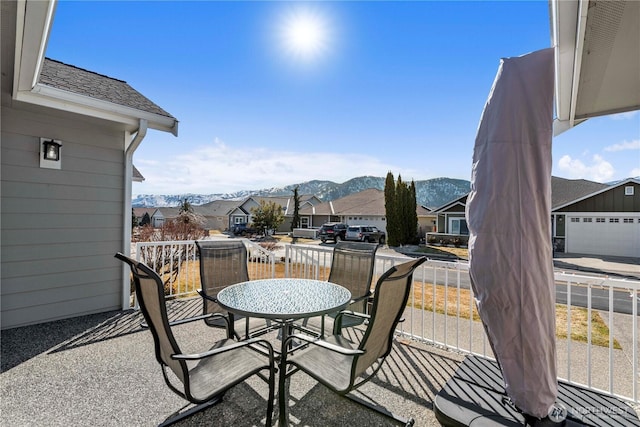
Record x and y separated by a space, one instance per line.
220 168
624 145
599 170
634 172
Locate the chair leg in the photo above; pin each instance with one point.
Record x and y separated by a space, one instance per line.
179 416
408 422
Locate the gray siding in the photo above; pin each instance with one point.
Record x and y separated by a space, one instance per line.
60 228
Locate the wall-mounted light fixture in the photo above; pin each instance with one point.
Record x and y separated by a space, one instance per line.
51 150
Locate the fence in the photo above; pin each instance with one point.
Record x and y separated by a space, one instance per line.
603 355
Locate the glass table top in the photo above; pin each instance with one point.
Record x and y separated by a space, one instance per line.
284 298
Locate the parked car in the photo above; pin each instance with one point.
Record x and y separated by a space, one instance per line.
332 231
365 233
242 229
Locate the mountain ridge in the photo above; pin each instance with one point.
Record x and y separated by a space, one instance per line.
430 193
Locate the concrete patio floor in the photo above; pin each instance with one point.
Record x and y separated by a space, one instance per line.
100 370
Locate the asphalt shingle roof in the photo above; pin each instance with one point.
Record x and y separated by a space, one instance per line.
88 83
564 191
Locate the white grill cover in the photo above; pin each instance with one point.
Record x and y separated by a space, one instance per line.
509 219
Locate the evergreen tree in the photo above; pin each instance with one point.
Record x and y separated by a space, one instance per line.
390 210
185 206
400 209
295 222
134 219
412 215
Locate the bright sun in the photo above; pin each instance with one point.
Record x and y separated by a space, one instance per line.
305 34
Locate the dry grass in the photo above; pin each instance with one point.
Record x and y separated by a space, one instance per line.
467 308
448 300
462 253
580 326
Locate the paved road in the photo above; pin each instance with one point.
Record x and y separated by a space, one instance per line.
623 268
622 301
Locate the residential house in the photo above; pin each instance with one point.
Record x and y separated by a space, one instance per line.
143 215
243 211
587 217
603 222
427 220
366 207
161 215
216 213
64 216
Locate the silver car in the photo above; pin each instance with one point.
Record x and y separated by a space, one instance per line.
365 233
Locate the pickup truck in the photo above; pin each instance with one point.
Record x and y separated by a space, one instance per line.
242 229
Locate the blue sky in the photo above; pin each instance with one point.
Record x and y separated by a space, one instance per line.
274 93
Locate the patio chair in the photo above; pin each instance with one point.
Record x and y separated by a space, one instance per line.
343 365
352 266
202 378
224 263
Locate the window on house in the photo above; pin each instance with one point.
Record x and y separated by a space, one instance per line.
627 220
628 190
575 219
614 220
587 219
304 222
600 220
459 226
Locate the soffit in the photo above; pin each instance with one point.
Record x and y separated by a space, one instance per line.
597 45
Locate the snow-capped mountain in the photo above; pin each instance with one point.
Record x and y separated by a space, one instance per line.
431 193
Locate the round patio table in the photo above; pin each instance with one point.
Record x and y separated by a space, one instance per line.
283 300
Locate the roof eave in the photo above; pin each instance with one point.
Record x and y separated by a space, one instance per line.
568 19
50 97
33 24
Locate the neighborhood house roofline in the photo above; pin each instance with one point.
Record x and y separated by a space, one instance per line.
459 201
588 196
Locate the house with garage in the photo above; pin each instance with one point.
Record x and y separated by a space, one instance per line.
243 210
363 208
366 207
603 222
587 217
68 138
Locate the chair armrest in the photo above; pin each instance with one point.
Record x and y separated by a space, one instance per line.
235 345
360 298
354 314
191 319
324 344
205 296
201 317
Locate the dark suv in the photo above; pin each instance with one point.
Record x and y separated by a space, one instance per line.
242 229
332 231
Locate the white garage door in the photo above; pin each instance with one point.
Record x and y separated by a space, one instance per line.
604 235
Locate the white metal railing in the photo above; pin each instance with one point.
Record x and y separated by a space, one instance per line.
178 264
611 367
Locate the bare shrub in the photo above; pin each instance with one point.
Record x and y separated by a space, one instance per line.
167 260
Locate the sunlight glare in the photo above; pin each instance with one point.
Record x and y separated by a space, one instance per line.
305 34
